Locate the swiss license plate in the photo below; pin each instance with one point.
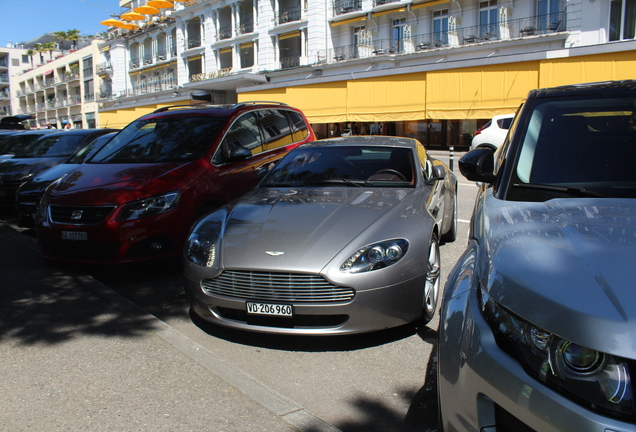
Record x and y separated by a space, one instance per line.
74 235
269 309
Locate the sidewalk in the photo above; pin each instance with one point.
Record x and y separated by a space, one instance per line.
75 356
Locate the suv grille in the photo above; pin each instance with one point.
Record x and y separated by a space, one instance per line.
79 215
285 287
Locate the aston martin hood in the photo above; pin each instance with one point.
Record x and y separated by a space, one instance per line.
567 257
300 229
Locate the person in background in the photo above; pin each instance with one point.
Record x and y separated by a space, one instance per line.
49 126
67 125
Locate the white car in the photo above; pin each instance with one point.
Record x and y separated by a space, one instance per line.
493 133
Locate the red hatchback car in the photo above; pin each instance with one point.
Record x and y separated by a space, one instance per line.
137 197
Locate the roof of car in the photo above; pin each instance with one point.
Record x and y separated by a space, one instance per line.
591 88
365 140
216 110
82 131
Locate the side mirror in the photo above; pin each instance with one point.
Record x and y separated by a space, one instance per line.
479 165
439 172
240 153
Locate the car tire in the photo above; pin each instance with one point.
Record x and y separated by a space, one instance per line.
451 234
433 281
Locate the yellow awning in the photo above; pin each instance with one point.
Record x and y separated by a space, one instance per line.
193 58
377 14
349 21
132 16
225 50
430 3
147 10
289 35
387 98
600 67
247 45
160 4
479 92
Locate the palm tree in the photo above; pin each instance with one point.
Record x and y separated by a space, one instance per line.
73 36
50 47
61 36
30 53
39 49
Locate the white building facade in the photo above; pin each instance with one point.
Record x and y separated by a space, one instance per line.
435 70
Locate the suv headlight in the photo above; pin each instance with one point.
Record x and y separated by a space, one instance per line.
151 206
375 256
592 378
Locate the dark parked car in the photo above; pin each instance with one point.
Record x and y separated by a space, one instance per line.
14 122
538 320
42 154
341 237
29 193
139 195
20 141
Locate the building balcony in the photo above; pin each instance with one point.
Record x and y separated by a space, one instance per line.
104 67
466 36
288 15
341 7
245 27
4 95
134 63
89 97
71 76
290 61
74 100
224 33
193 42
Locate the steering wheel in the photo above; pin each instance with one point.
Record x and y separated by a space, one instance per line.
391 171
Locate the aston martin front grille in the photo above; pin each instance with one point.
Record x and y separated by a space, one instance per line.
79 215
283 287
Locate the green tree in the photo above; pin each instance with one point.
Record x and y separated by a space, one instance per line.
73 36
50 47
30 53
61 37
38 47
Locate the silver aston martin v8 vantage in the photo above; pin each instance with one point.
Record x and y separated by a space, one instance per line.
341 236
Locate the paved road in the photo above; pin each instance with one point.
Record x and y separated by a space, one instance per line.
383 381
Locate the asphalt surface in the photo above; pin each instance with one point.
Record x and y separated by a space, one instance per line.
77 356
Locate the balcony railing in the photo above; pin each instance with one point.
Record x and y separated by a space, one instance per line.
161 55
383 2
290 61
289 15
345 6
245 27
134 63
466 36
193 42
89 97
74 100
71 76
224 33
104 67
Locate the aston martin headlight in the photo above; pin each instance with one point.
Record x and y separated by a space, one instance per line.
203 245
201 250
375 256
589 377
150 206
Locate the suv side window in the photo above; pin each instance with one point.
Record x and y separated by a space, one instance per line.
300 131
243 132
276 129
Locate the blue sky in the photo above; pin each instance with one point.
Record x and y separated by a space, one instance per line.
26 19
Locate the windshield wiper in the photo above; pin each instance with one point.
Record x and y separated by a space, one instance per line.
358 183
579 192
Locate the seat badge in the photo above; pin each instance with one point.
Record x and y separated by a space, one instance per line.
274 253
77 214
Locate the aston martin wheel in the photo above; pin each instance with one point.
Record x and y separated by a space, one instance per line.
431 287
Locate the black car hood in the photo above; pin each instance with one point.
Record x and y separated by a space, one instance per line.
40 181
566 265
16 169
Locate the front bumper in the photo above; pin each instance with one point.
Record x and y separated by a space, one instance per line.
369 310
113 241
481 388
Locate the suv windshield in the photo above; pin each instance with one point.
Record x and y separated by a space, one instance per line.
345 166
580 146
162 140
17 142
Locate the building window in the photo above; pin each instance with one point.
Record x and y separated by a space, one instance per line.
247 55
488 19
25 58
549 14
195 68
622 19
440 27
399 33
225 58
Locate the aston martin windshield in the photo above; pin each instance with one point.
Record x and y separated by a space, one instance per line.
162 140
580 144
346 166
